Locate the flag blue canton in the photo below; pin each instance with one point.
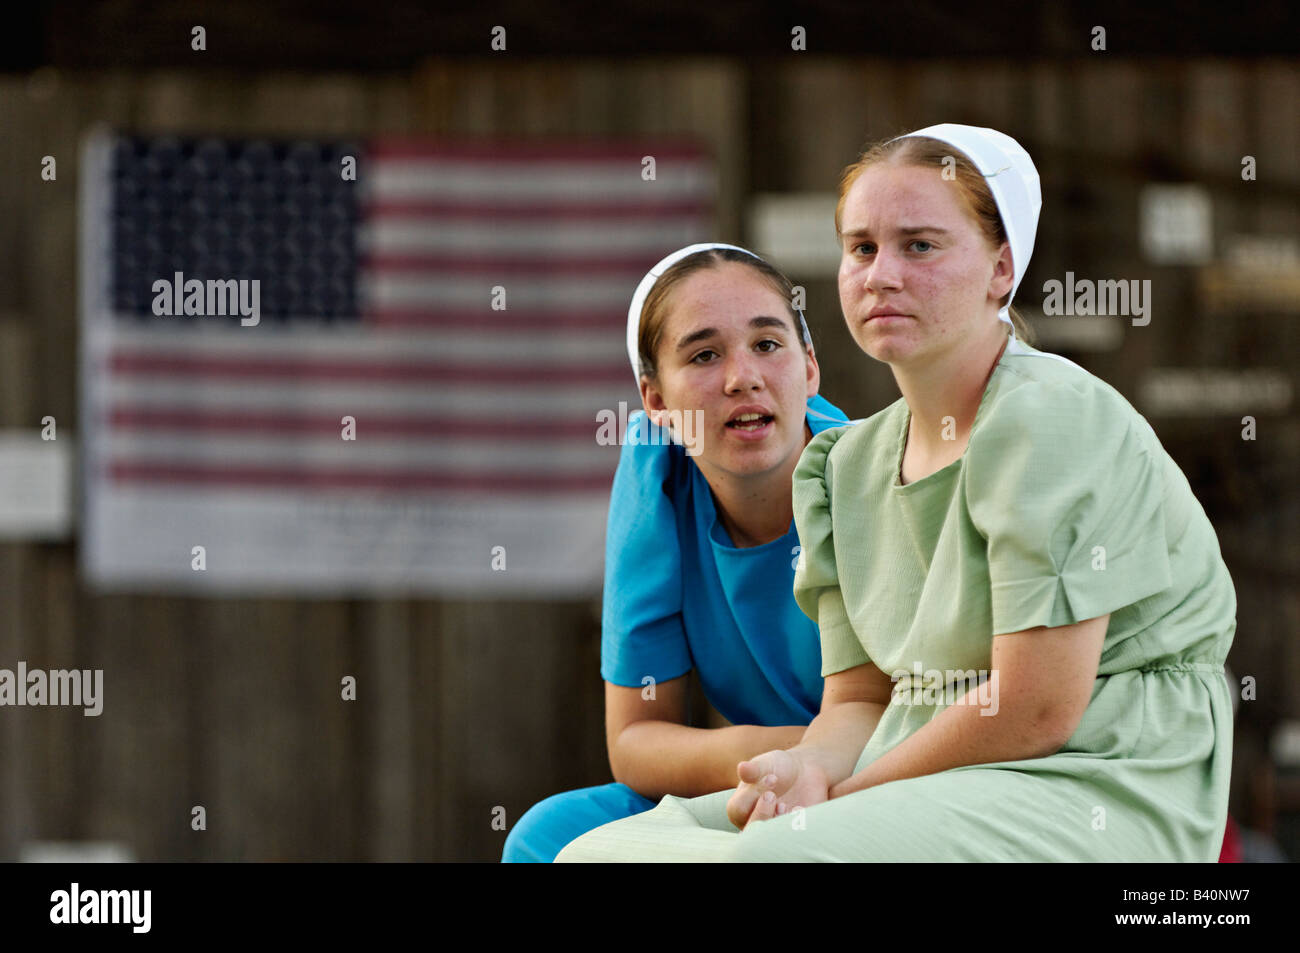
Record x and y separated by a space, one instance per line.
278 212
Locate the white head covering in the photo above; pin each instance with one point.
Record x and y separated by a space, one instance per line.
1013 180
648 282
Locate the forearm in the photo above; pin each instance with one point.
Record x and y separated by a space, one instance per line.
959 735
655 758
836 737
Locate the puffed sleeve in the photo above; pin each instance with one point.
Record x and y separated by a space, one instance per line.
1065 482
641 619
816 578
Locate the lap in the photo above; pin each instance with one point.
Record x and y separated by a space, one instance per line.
973 813
550 824
677 830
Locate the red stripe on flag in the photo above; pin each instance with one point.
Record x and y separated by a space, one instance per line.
520 150
631 263
324 479
226 421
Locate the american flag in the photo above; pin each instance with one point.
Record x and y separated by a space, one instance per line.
463 304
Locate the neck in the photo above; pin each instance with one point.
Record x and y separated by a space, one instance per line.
950 386
756 509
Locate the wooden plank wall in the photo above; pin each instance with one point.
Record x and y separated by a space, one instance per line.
466 706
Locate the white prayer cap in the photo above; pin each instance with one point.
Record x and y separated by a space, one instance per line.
648 282
1013 180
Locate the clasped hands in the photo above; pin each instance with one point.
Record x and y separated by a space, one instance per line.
775 784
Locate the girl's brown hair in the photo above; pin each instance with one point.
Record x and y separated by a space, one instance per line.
974 191
654 313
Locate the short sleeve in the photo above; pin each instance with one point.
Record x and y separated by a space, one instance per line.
641 619
1065 483
816 578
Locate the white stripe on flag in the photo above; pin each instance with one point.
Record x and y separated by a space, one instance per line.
368 452
589 182
389 287
483 343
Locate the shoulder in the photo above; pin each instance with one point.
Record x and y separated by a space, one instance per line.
823 415
648 463
1049 424
829 448
812 462
1043 397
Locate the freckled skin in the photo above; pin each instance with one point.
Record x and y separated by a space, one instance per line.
735 367
944 283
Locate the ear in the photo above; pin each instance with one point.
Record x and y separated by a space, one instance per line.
1004 275
814 373
652 400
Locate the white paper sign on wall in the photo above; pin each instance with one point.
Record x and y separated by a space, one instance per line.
1176 224
796 231
35 485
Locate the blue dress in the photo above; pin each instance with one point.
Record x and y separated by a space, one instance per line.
737 625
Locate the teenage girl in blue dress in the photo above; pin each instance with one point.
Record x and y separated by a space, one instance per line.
701 544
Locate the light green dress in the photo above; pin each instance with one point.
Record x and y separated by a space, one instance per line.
1064 507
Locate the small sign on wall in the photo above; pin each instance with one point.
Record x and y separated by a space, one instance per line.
796 232
1193 391
1053 333
1176 224
35 485
75 852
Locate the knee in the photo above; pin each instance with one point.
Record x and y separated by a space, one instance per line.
768 841
550 824
834 831
522 845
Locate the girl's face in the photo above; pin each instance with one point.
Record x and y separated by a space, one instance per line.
730 350
917 277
